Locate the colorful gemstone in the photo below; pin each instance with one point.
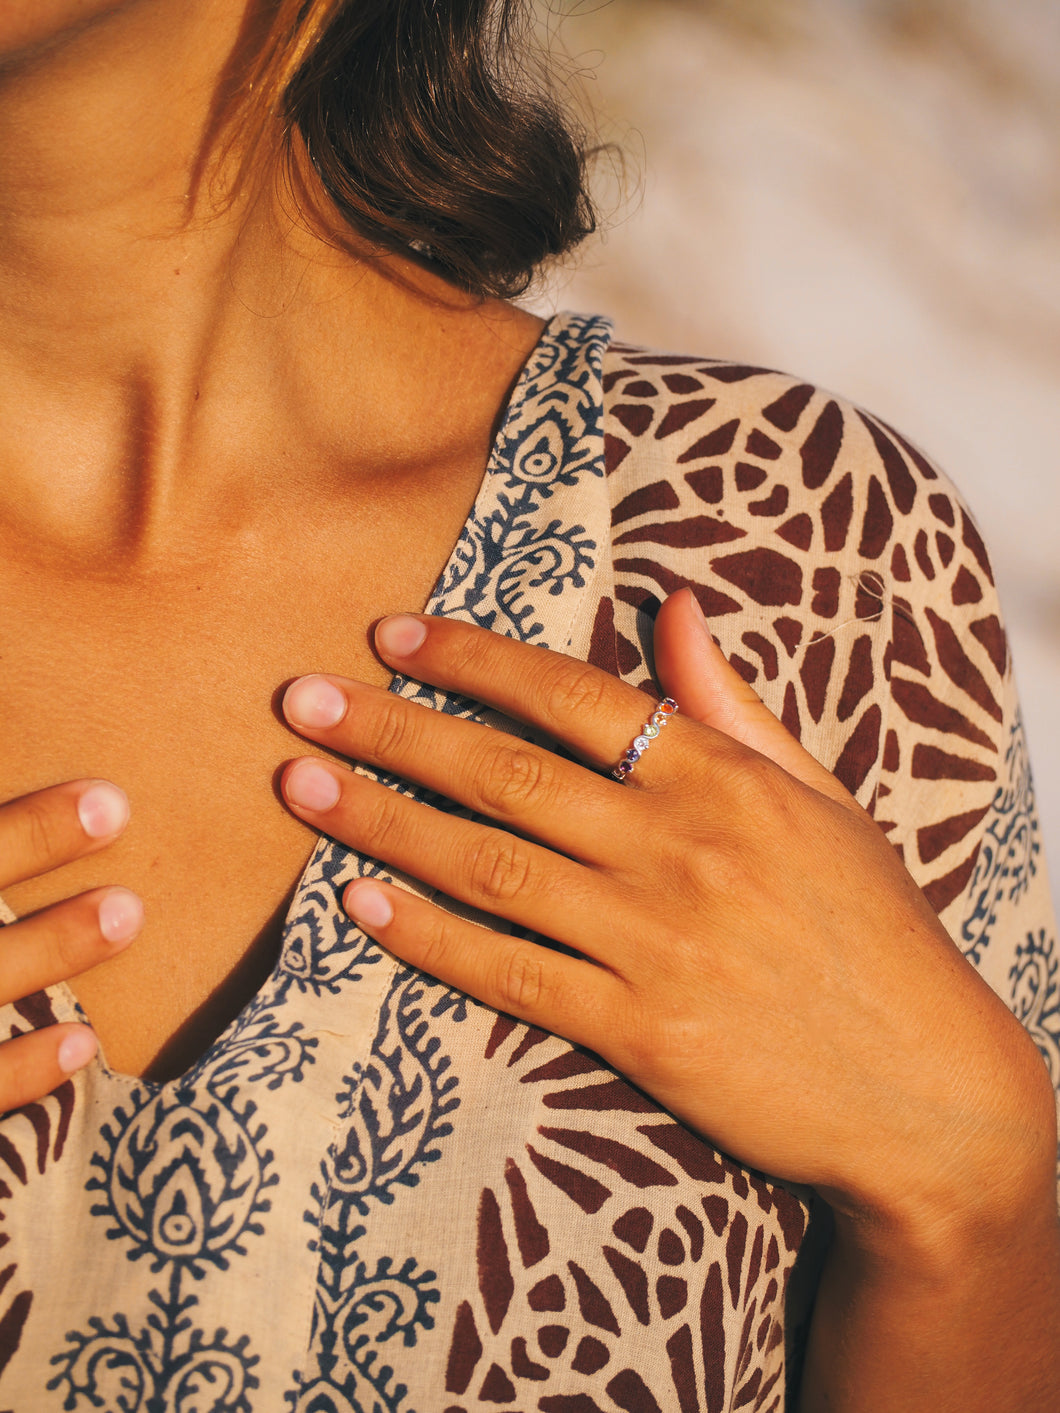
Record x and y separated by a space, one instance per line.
622 769
641 744
651 730
667 706
633 755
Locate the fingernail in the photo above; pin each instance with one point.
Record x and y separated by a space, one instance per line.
400 635
314 702
700 615
311 787
121 915
103 809
76 1049
368 905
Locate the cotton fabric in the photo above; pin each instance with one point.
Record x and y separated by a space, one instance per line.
373 1193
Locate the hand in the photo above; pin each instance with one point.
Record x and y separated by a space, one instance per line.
40 832
753 954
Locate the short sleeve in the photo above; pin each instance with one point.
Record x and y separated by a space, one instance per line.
956 792
847 581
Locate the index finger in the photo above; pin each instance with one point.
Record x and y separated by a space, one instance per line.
597 715
41 831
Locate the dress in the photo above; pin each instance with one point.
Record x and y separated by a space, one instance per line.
373 1195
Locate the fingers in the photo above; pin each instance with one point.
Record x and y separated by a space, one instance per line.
592 712
39 832
66 940
491 772
41 950
488 869
693 669
35 1064
520 978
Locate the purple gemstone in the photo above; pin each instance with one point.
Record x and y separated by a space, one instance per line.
633 755
622 769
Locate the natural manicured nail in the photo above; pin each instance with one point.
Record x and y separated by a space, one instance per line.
369 905
314 702
700 615
103 809
400 635
121 915
311 787
76 1049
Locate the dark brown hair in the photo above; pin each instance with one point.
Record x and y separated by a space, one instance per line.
426 131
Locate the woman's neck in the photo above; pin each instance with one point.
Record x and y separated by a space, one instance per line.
105 185
117 280
158 348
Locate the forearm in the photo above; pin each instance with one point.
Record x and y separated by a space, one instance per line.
973 1327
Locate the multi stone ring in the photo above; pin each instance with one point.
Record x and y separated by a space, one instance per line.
652 727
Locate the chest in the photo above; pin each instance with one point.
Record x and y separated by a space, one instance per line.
170 686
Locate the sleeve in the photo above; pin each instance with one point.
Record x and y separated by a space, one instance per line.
846 580
955 792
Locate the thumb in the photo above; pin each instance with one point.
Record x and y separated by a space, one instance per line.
693 670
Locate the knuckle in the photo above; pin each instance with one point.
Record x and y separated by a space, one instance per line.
727 872
511 779
703 871
389 730
499 869
39 832
438 945
27 1071
469 655
758 784
521 979
573 689
380 818
72 945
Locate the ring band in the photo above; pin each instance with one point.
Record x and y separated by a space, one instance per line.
658 719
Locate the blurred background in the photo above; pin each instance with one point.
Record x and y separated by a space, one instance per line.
865 193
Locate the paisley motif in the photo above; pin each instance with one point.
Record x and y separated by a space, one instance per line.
398 1107
112 1369
184 1181
1008 854
1035 978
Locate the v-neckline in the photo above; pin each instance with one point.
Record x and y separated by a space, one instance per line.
545 359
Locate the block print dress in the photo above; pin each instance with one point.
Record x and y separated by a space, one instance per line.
372 1194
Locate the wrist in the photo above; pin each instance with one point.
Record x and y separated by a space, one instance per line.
982 1212
961 1189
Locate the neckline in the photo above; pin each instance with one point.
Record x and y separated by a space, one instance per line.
544 365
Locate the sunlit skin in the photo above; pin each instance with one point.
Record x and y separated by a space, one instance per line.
208 422
215 433
28 28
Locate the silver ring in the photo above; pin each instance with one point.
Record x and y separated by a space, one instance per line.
652 727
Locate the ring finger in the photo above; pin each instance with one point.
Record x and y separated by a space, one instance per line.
595 714
515 782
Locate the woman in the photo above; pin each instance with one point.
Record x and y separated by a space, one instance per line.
311 1172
